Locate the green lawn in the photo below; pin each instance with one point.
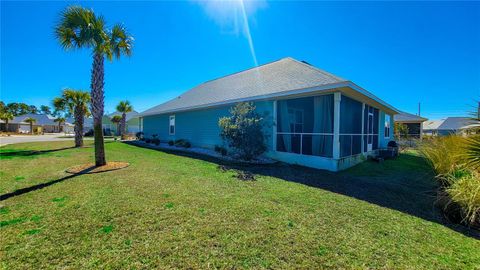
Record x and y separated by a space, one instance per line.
174 211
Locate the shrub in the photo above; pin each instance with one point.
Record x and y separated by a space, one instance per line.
400 130
221 150
156 141
89 133
465 191
243 131
183 143
139 135
444 154
171 143
148 140
454 161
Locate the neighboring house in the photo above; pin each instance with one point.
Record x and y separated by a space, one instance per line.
312 118
46 122
133 121
450 126
413 122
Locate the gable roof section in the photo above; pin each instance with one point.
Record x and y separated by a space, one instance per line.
408 117
451 123
265 81
42 119
130 115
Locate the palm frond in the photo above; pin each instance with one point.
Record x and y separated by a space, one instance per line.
79 27
124 106
121 42
472 152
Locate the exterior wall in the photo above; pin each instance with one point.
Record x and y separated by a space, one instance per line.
200 127
382 140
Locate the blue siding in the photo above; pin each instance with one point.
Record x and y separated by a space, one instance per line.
382 141
200 127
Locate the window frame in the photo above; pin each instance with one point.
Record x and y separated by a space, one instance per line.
387 126
170 125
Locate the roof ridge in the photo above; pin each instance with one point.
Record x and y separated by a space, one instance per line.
317 69
245 70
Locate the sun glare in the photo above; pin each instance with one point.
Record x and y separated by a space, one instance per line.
233 18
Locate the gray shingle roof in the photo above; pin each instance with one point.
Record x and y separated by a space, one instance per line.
42 119
283 75
408 117
451 123
130 115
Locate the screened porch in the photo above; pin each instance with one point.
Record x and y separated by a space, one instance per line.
330 126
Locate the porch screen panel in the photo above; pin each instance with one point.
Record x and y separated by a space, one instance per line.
305 126
371 136
350 127
376 122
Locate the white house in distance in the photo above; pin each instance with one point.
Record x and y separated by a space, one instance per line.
450 125
46 122
312 118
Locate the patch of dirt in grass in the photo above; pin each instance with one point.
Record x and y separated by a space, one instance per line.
91 168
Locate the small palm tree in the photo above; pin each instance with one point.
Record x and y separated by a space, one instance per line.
60 121
75 102
124 107
31 121
117 119
82 28
7 117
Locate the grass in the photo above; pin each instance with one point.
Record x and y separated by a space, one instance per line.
174 211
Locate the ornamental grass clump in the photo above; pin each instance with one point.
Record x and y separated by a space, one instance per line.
455 161
465 191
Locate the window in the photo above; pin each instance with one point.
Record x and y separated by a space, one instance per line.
296 120
305 126
387 126
171 130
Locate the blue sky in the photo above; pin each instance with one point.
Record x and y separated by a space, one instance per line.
403 52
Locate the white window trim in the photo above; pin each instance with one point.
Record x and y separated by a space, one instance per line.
389 128
170 125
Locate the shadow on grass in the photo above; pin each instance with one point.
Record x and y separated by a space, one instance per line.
13 153
42 185
405 184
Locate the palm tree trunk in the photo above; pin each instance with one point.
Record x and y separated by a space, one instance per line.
97 97
59 126
31 128
78 128
6 125
124 124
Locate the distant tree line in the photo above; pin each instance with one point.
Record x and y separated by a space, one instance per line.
20 108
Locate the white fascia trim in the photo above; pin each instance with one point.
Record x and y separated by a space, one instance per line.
372 96
283 94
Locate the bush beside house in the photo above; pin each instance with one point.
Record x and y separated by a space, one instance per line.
243 131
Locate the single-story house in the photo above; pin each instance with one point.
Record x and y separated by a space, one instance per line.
133 122
451 126
46 122
413 122
311 117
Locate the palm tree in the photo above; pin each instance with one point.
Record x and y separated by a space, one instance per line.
31 121
82 28
7 116
75 102
124 107
60 121
117 119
